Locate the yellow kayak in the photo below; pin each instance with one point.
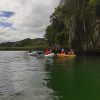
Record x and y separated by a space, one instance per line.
64 55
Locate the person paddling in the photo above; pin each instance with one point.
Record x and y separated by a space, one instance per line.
46 52
71 52
62 51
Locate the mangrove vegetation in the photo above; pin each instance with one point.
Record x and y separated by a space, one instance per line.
75 24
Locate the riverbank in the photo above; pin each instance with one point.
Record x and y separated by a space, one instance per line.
36 48
89 52
27 48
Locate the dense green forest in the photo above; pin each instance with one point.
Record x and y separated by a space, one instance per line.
26 44
75 24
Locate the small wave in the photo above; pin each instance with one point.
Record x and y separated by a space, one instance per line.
17 93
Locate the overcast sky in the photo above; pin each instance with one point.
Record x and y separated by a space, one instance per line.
20 19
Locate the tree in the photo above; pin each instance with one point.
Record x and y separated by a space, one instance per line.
73 24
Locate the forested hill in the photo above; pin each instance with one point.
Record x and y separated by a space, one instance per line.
75 24
38 43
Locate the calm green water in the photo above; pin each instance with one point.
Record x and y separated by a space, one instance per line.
24 77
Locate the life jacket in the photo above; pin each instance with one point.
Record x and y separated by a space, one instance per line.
47 52
62 52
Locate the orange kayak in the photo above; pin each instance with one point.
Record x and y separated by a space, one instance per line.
64 55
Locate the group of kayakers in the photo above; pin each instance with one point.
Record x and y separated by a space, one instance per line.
71 52
51 53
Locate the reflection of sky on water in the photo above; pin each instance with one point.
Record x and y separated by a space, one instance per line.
6 85
22 77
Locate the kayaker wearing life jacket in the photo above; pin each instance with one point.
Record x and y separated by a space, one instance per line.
62 51
71 52
46 52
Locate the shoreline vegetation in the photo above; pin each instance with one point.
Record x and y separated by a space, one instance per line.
75 24
39 44
34 48
26 44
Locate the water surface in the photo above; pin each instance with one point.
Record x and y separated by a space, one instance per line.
23 77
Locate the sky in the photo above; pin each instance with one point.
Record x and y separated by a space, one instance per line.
20 19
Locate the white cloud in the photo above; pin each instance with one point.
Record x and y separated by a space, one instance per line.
30 20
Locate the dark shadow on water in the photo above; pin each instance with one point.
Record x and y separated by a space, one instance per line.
74 78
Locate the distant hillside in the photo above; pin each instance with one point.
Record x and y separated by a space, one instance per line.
38 43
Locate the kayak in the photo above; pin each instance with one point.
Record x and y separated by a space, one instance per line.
33 53
50 55
64 55
39 55
30 53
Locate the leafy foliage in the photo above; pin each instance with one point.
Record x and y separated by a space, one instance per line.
73 25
